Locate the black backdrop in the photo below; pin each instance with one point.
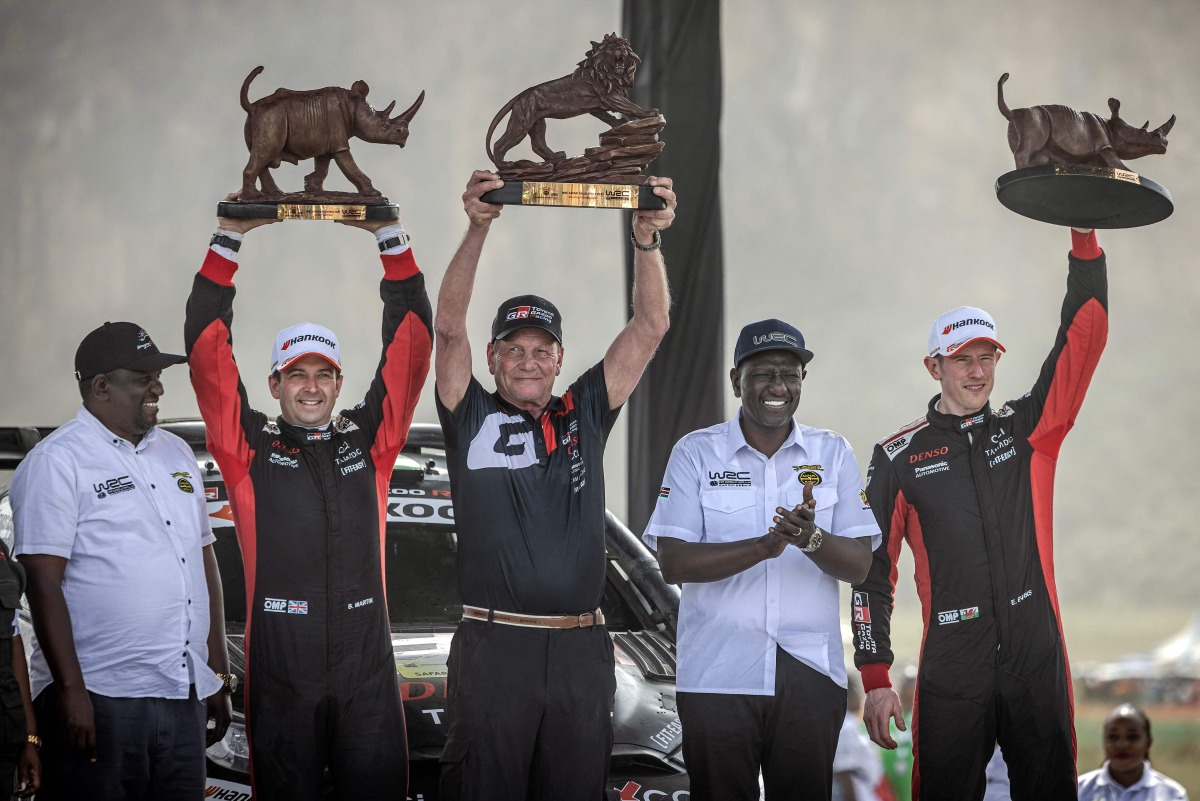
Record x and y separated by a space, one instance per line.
679 42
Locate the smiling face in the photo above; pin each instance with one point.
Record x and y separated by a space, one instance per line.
126 401
967 377
1126 744
525 364
306 391
768 384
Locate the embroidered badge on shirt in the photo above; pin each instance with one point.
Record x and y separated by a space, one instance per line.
807 473
183 482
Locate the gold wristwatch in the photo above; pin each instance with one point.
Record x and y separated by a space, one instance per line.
230 681
814 542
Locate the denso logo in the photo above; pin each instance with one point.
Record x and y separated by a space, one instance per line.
280 445
920 457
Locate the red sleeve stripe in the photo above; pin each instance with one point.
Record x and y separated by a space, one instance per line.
1072 374
404 370
398 266
218 269
215 381
1085 246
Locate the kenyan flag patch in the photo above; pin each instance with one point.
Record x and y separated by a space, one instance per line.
664 492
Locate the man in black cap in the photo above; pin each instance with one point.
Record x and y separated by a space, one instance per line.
761 679
526 472
124 587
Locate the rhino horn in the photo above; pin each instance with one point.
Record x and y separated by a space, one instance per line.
1165 128
389 108
1114 106
1146 125
407 115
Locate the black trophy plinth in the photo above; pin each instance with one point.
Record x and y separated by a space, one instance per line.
577 195
1084 196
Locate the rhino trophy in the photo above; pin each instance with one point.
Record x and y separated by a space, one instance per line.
315 124
1055 134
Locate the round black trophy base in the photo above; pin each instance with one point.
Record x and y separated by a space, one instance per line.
1084 197
576 195
307 211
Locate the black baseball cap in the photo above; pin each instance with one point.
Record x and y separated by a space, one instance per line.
116 345
770 335
527 311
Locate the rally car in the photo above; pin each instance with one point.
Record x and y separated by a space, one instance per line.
421 568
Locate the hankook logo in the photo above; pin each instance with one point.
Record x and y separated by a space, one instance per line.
308 338
969 321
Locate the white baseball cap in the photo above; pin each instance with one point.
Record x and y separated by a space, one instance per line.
960 327
304 339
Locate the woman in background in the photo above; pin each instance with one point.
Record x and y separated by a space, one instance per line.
1126 774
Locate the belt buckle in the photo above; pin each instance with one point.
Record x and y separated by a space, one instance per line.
586 620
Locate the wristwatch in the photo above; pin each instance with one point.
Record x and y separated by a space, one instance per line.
814 542
230 681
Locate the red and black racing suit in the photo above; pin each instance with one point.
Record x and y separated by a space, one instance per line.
309 507
973 496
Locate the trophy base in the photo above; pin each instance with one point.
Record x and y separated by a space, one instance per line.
577 195
307 211
1084 196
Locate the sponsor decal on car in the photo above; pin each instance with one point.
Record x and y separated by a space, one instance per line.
438 511
226 791
419 669
632 791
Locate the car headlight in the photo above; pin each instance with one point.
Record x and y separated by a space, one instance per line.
233 750
7 533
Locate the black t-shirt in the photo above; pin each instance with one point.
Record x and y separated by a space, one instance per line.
529 498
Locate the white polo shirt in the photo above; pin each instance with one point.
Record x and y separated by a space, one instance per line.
1099 785
719 489
131 522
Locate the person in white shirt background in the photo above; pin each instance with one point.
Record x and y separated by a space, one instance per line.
1126 774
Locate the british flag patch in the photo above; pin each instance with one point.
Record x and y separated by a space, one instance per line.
297 607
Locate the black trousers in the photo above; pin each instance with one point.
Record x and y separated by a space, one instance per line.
790 737
147 749
530 713
956 728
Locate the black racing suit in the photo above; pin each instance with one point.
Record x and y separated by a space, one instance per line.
309 506
973 498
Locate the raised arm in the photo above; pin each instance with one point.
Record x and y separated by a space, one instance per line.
452 357
633 348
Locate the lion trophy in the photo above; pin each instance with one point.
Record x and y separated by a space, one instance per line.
599 86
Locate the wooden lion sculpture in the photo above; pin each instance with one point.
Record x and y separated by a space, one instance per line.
598 85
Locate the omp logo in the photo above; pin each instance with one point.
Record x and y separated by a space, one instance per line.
958 615
895 445
776 336
923 455
274 604
969 321
113 486
308 338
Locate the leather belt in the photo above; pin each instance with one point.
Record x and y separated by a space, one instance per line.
583 621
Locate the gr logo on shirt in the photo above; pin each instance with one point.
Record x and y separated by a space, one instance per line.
113 486
503 441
